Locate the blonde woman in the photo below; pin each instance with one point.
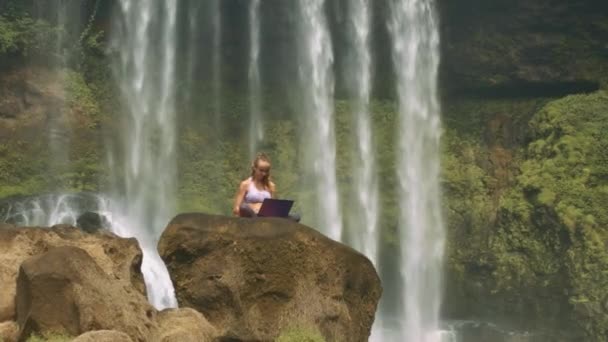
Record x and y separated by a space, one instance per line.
253 190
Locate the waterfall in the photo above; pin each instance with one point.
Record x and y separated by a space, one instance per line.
216 64
66 15
316 75
256 126
365 214
146 74
415 50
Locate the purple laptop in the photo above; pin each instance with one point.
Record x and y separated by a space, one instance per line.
272 207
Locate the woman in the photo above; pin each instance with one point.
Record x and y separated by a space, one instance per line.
254 189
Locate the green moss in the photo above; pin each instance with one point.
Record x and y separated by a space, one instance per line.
80 97
49 338
300 334
554 219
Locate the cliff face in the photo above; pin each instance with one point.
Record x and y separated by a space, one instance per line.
523 182
523 48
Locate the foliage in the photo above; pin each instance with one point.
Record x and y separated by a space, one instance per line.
554 221
300 334
80 97
25 36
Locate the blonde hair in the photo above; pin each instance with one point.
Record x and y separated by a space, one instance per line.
261 156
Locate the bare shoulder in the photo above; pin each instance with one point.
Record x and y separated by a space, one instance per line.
245 183
272 186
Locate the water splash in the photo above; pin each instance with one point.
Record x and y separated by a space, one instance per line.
415 49
316 75
146 74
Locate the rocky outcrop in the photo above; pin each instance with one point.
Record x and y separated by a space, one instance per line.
253 278
119 258
64 290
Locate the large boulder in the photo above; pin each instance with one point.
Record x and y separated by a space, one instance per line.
119 258
9 331
184 325
65 290
253 278
103 336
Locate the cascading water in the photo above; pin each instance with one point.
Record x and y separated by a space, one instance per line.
66 15
415 49
318 141
51 209
146 73
256 126
216 62
365 215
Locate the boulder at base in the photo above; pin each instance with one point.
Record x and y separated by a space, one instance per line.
184 325
120 258
65 291
103 336
254 278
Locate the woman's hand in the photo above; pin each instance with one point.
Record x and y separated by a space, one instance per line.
236 211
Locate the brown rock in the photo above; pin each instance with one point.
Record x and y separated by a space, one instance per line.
119 258
9 331
253 278
103 336
184 325
65 291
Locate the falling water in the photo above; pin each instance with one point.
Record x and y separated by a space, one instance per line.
216 62
66 15
146 73
366 211
256 126
316 75
415 48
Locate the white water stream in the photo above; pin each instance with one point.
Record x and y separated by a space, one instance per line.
146 73
256 125
318 141
415 48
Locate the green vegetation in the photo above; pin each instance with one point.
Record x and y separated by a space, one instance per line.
300 334
555 217
49 338
25 36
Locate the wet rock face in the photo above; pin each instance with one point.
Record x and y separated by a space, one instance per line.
91 222
253 278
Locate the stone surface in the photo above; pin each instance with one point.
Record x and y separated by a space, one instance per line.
119 258
184 325
64 290
103 336
253 278
9 331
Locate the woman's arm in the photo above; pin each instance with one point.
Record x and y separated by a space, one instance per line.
273 190
238 198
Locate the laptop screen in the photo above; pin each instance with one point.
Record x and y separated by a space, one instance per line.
272 207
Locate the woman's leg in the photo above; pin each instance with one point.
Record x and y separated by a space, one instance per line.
246 211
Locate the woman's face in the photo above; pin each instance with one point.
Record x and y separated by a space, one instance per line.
262 169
